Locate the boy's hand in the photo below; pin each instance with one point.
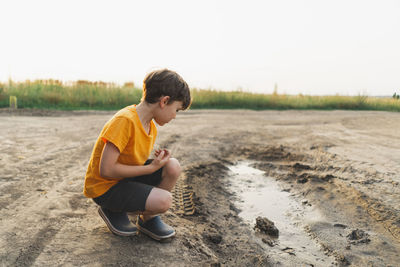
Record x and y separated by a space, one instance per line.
158 151
162 157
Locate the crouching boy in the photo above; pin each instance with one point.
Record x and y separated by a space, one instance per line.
120 178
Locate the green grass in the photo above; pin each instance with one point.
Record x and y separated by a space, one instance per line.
51 94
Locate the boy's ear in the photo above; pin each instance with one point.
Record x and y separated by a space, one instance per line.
164 101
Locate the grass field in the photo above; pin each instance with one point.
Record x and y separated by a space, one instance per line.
53 94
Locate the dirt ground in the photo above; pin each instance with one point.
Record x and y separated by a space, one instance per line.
343 164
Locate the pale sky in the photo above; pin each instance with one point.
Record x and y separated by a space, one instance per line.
316 47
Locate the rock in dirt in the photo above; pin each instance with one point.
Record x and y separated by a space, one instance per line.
266 226
339 225
289 251
302 180
268 241
358 236
299 166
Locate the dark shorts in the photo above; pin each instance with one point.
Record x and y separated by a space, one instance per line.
130 194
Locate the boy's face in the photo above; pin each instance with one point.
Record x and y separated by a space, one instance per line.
167 112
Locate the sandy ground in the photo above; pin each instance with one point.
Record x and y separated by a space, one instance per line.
342 164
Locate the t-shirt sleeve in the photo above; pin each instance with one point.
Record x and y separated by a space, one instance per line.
118 132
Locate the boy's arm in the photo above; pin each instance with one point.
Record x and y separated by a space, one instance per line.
111 168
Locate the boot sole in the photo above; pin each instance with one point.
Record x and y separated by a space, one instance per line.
154 236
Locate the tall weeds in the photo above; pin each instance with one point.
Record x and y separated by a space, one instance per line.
227 100
76 95
53 94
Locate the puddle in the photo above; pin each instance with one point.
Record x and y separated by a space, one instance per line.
259 195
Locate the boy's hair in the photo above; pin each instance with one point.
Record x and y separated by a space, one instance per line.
166 82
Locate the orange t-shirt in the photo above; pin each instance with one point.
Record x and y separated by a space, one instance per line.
126 132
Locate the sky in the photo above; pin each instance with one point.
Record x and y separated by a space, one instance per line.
314 47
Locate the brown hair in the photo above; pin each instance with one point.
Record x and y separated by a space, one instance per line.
166 82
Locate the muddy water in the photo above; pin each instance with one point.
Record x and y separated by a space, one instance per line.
259 195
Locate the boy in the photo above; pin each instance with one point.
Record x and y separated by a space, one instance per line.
120 178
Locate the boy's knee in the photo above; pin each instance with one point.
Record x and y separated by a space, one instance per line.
165 202
173 168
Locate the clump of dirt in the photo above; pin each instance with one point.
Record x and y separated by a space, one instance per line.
213 237
266 226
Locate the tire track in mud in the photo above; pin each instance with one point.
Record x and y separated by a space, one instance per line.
47 197
36 228
382 214
39 174
290 166
38 181
29 254
336 189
